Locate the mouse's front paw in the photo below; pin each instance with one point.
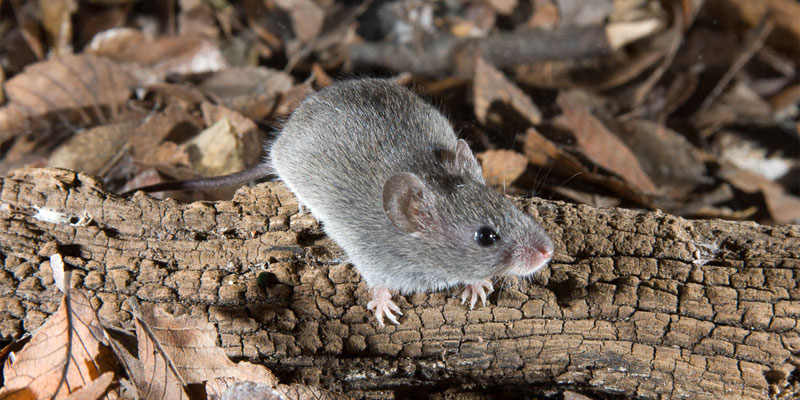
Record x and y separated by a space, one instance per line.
474 290
382 304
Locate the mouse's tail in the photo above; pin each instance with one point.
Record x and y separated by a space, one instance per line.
258 171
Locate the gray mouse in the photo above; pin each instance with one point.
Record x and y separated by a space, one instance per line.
404 197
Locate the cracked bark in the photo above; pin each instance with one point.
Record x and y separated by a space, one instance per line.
628 306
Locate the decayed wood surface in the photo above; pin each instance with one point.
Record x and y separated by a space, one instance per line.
629 305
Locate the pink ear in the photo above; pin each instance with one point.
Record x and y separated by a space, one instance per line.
407 203
467 162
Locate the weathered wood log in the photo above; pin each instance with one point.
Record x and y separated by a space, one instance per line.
636 303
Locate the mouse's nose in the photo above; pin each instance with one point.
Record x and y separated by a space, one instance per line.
546 253
528 259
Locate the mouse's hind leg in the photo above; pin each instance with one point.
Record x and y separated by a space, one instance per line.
474 290
382 304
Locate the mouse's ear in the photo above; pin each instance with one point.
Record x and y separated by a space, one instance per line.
467 162
408 203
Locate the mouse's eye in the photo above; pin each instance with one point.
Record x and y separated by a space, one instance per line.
486 236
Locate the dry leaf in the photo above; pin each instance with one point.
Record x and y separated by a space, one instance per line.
667 156
90 151
183 95
161 56
217 150
593 199
752 156
57 22
784 13
159 127
541 151
291 99
502 7
783 207
321 78
739 104
26 13
621 33
502 167
491 85
250 138
83 85
187 352
576 12
65 354
306 16
94 390
153 373
197 18
544 16
598 144
476 20
570 395
252 91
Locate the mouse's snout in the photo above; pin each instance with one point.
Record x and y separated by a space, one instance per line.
530 257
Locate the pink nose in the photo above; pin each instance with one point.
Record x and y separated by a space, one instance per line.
546 253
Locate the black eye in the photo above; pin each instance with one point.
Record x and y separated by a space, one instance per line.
486 236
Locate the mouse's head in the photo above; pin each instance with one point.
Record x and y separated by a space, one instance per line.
469 223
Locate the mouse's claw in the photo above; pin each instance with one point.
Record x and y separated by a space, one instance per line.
474 290
382 304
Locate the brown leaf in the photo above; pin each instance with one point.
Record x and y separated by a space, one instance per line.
321 78
541 152
667 156
217 150
783 13
599 74
291 99
57 22
544 16
783 207
161 56
182 95
153 373
94 390
503 7
85 85
501 167
26 13
599 144
197 18
249 138
590 198
187 347
252 91
739 104
91 150
306 16
158 127
65 354
491 85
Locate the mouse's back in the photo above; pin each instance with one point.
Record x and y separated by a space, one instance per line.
344 142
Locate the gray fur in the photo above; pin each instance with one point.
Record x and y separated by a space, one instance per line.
342 145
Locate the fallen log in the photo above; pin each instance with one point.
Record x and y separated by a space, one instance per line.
635 303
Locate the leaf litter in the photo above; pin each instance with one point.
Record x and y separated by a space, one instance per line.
687 106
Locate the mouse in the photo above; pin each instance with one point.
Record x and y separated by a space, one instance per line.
399 192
